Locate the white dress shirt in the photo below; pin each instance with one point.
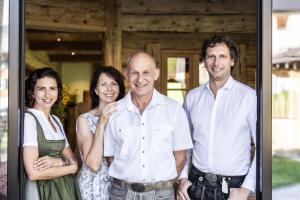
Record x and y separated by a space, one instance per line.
30 133
143 145
221 129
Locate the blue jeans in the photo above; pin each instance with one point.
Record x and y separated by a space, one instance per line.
118 192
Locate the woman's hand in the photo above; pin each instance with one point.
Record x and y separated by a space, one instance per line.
47 162
107 111
72 162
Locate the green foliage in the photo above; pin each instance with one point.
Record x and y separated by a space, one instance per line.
285 171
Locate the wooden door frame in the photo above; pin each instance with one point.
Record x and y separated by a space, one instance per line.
194 59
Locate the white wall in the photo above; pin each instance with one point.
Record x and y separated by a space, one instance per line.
77 76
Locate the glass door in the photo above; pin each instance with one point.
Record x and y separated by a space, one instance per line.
179 73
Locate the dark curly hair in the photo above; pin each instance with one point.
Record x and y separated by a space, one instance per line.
31 82
218 39
111 72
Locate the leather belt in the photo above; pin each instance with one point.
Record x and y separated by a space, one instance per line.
216 178
143 187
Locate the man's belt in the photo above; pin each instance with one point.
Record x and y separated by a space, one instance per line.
213 179
143 187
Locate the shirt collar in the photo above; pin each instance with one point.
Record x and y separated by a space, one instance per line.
157 99
228 85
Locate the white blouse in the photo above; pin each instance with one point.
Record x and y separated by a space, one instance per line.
30 133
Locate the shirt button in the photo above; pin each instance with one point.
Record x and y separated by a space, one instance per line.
143 165
143 124
143 151
143 138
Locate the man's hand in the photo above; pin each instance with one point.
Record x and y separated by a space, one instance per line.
182 194
239 194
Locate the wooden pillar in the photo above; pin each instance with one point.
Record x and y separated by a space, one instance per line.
118 35
108 54
194 70
243 63
239 71
113 35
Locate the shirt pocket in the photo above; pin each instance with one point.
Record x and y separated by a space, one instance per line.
126 138
163 138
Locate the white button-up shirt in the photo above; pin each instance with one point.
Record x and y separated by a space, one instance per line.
143 145
221 129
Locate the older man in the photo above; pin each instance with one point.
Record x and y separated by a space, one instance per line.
222 115
147 137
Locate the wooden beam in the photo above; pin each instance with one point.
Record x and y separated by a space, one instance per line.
75 58
243 62
167 40
189 7
113 40
33 35
65 46
118 35
190 23
67 15
109 52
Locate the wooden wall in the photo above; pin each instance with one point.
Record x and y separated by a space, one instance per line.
132 25
183 26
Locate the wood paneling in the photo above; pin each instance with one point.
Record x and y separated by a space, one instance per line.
66 45
126 53
137 40
37 35
76 58
67 15
190 23
189 7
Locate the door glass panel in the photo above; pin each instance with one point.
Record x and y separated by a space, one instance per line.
203 74
285 100
178 80
3 96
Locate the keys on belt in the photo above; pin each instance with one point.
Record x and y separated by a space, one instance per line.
212 179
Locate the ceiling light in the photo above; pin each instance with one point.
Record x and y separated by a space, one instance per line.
286 65
58 39
73 53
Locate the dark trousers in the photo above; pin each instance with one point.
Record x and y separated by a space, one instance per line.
204 187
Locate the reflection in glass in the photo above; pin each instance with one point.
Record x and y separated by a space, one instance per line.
177 78
203 74
285 101
3 96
